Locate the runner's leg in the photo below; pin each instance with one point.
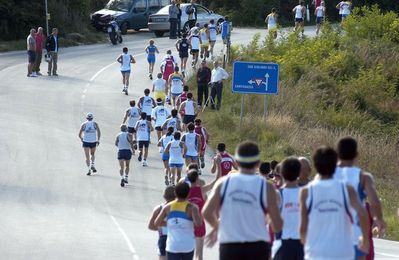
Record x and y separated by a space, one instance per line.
199 248
178 173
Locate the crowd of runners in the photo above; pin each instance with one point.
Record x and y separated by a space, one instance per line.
255 210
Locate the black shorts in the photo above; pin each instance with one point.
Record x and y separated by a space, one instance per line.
183 55
188 119
239 251
290 249
194 51
31 56
158 128
89 145
124 155
131 130
162 245
144 144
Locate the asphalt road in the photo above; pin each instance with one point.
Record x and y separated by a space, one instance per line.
49 208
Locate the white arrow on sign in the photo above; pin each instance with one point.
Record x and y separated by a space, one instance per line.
267 81
251 82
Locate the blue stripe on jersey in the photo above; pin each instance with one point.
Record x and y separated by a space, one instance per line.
311 199
281 199
360 191
346 204
178 214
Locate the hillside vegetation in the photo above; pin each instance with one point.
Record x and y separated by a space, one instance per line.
340 83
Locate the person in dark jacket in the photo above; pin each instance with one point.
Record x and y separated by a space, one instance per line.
52 47
203 79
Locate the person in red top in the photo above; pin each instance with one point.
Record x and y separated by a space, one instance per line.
223 162
39 37
203 133
168 65
197 196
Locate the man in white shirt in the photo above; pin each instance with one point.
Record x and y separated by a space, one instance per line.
217 77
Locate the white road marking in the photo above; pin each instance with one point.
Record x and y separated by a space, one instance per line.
386 255
127 240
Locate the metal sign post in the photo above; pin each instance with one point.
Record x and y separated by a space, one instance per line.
255 78
47 17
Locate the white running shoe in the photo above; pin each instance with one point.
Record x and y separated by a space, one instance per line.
145 164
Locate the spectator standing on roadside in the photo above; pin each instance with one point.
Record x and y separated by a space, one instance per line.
203 78
191 11
31 47
179 21
173 16
217 77
39 38
52 48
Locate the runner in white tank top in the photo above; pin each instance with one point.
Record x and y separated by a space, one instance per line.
90 134
159 115
287 244
143 129
124 142
181 217
212 36
326 221
162 143
146 104
363 183
172 121
125 60
195 47
299 11
237 209
192 142
188 108
176 151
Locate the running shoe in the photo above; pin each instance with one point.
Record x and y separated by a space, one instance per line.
202 56
150 76
93 169
140 157
88 173
202 163
122 183
125 180
184 74
145 164
135 145
126 92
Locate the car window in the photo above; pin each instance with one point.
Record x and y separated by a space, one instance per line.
153 5
201 10
164 10
140 6
120 5
165 2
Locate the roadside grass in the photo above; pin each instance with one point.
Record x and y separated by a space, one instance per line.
70 39
331 86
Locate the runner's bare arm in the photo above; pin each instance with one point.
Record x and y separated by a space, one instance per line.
125 117
210 212
151 223
177 45
159 144
81 132
375 203
213 168
117 141
273 209
98 133
195 214
303 226
119 59
150 126
156 49
363 218
167 149
178 125
132 60
160 219
181 107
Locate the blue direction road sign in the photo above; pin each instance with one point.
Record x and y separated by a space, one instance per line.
255 78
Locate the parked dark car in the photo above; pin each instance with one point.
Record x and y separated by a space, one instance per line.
129 14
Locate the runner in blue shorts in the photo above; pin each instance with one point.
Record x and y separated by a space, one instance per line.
124 142
192 142
151 50
176 150
163 142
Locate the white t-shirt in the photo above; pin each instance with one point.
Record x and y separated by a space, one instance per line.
159 85
160 114
298 11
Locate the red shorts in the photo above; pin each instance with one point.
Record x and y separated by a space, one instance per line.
200 231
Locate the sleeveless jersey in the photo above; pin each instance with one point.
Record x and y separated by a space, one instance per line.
90 132
190 139
329 234
142 130
172 122
289 208
160 113
345 8
183 97
271 22
123 141
180 229
175 153
199 130
189 109
212 32
320 11
183 46
169 67
195 42
176 83
134 116
243 206
165 139
151 50
204 36
146 105
159 85
298 12
226 163
125 66
351 176
195 197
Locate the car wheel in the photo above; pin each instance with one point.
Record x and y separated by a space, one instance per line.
218 24
186 27
124 28
159 33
